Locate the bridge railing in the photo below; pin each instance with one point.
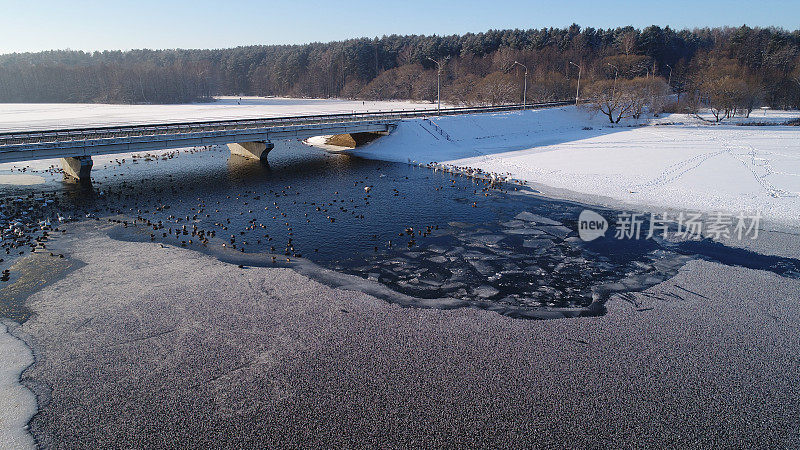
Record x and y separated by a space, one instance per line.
10 139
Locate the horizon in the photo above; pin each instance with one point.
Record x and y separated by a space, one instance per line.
39 28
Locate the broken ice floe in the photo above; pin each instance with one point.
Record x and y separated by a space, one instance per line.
531 217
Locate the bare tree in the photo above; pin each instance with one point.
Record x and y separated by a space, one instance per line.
497 88
605 98
629 66
424 86
752 96
462 90
651 95
627 98
726 89
627 42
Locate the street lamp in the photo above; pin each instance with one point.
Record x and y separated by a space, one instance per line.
577 91
525 90
614 86
438 84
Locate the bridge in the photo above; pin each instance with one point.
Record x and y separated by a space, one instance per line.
251 138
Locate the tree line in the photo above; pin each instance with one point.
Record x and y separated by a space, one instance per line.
731 69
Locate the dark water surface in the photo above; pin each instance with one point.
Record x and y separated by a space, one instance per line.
427 234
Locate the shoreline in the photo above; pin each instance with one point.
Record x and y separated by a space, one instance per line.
18 403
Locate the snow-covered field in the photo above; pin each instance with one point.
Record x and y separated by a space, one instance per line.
687 165
33 116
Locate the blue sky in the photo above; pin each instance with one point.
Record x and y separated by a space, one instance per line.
120 24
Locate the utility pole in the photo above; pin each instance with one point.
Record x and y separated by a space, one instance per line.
577 91
525 90
438 86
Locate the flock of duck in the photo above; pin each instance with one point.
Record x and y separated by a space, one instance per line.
27 222
494 179
279 216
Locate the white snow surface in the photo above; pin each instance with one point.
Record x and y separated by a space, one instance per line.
687 165
37 116
17 403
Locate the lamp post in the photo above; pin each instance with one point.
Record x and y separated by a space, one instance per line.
614 86
525 90
577 91
438 85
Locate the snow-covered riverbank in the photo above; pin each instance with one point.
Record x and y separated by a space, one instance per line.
676 163
17 403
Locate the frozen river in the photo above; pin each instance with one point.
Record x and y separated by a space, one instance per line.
433 238
203 289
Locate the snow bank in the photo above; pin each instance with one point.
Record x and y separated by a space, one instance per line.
322 142
689 165
17 404
453 137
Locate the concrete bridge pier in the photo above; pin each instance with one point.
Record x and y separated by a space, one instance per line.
78 167
252 150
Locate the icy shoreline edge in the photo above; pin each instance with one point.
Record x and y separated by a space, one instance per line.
17 403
